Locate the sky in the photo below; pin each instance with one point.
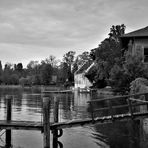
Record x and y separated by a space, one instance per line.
36 29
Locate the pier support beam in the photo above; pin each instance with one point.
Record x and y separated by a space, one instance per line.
56 119
46 121
9 109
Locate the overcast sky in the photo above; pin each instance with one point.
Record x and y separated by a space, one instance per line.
35 29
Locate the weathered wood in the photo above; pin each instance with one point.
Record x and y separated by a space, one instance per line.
56 119
30 125
21 125
56 91
8 132
111 109
91 110
118 97
138 100
101 120
46 122
56 109
130 107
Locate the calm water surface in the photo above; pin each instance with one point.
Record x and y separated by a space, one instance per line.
27 106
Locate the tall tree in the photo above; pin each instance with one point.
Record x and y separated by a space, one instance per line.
108 53
46 74
51 60
19 67
8 70
1 71
122 75
68 59
33 67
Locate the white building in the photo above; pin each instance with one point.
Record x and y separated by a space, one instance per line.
80 80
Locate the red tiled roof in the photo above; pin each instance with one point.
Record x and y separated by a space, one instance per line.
137 33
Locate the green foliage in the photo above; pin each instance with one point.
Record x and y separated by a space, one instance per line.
68 60
14 79
25 81
123 75
107 54
46 73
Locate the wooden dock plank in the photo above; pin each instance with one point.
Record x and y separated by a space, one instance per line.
17 125
101 120
31 125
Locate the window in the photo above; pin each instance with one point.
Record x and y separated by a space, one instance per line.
146 55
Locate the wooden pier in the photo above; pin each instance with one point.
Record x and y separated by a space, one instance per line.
132 103
21 125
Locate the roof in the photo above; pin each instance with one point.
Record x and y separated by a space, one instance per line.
143 32
84 67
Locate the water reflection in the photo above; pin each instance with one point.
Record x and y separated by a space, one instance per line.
27 105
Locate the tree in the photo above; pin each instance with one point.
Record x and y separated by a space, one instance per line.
1 68
14 79
33 67
108 54
68 60
19 67
1 72
123 75
46 74
116 32
8 70
51 60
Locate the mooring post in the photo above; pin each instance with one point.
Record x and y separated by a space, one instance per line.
46 121
56 120
92 111
130 107
111 109
8 131
56 109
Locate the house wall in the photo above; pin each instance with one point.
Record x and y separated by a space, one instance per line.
139 45
81 81
143 42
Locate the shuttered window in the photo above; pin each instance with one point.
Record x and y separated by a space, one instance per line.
145 54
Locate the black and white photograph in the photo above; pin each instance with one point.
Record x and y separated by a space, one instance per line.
73 74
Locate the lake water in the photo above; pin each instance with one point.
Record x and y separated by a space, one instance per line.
27 106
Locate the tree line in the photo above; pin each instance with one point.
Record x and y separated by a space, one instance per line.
113 66
42 73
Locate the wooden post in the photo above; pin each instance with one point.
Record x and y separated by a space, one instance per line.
92 112
111 109
56 119
56 109
8 132
130 107
46 122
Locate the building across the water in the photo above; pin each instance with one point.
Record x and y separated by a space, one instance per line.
80 80
137 42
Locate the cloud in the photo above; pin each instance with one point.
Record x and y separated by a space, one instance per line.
28 26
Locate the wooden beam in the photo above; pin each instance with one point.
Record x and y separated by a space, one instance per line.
21 125
118 97
46 122
56 120
100 120
8 131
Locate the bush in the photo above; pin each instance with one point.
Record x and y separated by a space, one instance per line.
122 75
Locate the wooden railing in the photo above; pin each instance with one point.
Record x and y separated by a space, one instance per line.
127 104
